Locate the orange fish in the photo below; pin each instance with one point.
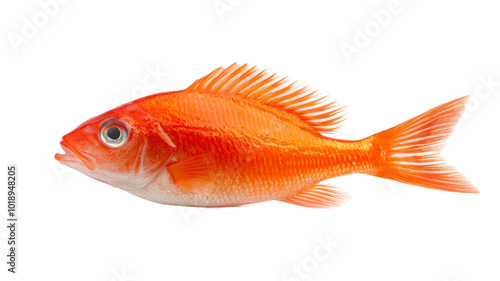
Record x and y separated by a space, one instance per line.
240 136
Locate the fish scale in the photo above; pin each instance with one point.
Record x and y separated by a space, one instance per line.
273 166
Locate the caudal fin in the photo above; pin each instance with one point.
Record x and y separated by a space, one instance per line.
412 150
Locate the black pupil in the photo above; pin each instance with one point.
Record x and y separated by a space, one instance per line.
113 133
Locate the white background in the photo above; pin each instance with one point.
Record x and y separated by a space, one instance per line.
90 56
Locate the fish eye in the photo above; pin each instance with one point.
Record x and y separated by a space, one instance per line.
114 133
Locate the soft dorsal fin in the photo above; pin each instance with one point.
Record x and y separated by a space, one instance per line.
258 85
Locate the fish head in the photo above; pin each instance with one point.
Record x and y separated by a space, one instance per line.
123 147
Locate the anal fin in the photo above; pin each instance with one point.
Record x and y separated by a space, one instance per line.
318 196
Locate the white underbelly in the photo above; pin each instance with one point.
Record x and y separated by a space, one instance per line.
162 190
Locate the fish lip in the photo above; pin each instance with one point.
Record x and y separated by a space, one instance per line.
75 155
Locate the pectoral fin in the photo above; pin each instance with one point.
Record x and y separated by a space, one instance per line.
192 174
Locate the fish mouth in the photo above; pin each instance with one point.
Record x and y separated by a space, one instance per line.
74 155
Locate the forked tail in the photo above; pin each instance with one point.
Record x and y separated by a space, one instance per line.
411 151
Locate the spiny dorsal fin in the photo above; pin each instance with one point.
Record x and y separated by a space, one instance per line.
258 85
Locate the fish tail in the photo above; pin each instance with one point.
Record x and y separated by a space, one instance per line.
410 152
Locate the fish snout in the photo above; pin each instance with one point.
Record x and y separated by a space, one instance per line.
74 155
